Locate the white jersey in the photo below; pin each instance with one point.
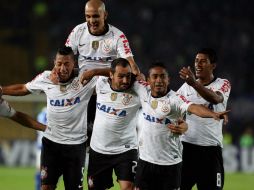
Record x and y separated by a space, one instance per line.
205 131
66 108
157 144
114 129
98 51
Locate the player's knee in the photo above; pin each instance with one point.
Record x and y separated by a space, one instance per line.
126 185
48 187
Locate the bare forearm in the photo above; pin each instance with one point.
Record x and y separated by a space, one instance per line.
134 66
102 72
207 94
28 121
201 111
15 90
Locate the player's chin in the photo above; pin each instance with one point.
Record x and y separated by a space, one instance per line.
94 29
64 78
159 89
123 87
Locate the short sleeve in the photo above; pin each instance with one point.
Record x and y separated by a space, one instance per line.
36 85
123 47
72 40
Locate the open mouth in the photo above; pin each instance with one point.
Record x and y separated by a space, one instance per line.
94 26
198 70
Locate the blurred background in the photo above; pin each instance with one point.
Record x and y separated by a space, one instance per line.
167 30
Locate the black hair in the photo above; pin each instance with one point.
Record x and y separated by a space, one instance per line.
65 50
119 62
211 54
157 64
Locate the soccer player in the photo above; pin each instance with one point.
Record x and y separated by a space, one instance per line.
160 157
98 43
114 139
9 112
63 143
202 143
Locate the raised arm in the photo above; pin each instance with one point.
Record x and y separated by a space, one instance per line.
209 95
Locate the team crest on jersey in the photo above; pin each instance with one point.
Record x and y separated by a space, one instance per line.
107 46
165 108
126 99
154 104
95 45
75 84
113 96
44 172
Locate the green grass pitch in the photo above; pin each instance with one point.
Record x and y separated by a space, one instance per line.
23 179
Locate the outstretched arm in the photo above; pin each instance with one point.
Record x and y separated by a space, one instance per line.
7 111
27 121
15 90
203 111
209 95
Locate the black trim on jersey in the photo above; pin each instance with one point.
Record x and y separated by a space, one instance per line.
168 90
214 79
133 79
106 29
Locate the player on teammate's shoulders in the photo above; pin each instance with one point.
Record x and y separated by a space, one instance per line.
98 43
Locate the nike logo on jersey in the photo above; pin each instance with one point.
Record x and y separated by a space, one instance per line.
65 102
153 119
111 110
81 44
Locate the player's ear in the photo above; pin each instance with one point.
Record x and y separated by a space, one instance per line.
168 80
148 80
110 74
214 65
105 15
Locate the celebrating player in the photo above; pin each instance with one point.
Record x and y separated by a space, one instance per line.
63 144
202 143
159 165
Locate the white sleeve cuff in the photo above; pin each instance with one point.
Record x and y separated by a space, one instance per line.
5 109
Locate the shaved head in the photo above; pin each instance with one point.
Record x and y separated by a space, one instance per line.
96 4
96 16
